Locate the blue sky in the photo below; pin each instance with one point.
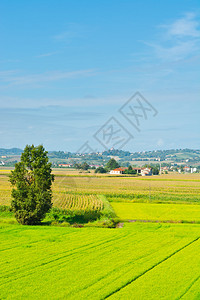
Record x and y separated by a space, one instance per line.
67 67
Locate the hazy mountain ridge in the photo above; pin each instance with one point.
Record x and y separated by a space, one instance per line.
12 151
172 155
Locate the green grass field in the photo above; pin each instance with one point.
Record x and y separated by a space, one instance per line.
140 261
160 212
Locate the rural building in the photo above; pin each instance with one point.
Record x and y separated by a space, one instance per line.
146 171
164 169
193 170
186 169
95 166
138 170
141 171
118 170
65 165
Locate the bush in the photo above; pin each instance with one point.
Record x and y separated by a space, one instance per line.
5 208
72 216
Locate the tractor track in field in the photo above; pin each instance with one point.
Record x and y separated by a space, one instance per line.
154 266
127 264
189 287
64 255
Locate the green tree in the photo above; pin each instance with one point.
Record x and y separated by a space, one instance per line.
85 166
77 166
112 164
32 180
100 170
155 170
130 171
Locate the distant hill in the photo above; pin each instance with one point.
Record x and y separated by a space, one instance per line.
173 155
13 151
186 156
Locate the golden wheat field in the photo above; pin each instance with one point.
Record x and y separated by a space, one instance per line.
170 188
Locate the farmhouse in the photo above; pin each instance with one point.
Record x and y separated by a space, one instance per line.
193 170
118 170
138 170
141 171
186 169
146 172
65 165
95 166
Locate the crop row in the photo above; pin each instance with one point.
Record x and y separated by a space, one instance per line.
119 189
77 202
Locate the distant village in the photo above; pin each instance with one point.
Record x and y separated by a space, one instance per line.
140 171
143 171
142 163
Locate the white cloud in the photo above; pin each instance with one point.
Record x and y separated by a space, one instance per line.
178 51
180 40
187 26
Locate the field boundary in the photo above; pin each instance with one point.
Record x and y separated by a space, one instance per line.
151 268
162 221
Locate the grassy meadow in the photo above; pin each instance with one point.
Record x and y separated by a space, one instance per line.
141 260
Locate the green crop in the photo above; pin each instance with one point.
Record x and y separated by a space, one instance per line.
157 212
94 263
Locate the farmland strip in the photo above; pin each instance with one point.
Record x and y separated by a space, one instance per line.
189 287
157 264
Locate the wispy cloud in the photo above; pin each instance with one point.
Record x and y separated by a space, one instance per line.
7 74
10 61
73 30
180 50
13 77
187 26
46 54
179 40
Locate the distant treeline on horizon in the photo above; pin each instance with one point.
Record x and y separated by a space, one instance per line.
114 152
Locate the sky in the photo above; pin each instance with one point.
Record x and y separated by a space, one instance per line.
100 74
